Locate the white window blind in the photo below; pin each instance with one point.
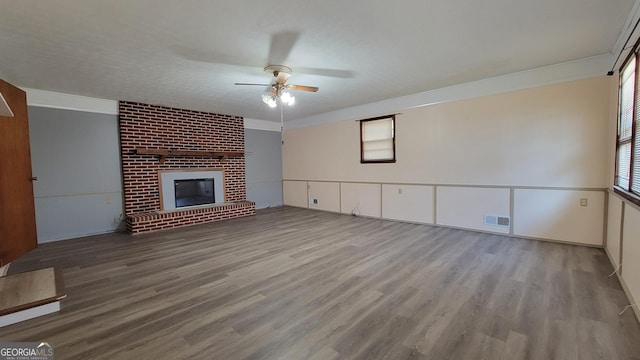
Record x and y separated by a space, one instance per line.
635 183
624 162
627 178
625 122
377 138
634 137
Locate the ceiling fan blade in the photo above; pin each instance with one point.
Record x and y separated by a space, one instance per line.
212 57
281 45
343 74
302 88
251 84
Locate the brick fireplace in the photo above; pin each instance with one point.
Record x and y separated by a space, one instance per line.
157 139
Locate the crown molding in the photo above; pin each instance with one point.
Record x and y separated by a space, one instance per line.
56 100
626 33
257 124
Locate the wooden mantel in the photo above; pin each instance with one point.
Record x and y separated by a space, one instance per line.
165 153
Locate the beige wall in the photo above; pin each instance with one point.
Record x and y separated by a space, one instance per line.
551 136
555 139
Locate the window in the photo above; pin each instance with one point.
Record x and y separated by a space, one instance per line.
627 175
378 140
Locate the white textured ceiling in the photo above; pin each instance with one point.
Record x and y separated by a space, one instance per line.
190 53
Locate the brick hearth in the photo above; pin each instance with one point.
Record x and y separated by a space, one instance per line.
158 127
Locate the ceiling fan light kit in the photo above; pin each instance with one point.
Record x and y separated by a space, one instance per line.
272 99
287 98
277 89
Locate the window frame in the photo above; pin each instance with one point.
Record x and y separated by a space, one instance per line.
393 140
628 194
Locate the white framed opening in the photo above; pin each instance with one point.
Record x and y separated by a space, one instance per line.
193 187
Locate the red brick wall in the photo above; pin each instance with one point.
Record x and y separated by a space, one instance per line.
151 221
159 127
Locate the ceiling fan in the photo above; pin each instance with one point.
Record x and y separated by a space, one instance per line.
277 89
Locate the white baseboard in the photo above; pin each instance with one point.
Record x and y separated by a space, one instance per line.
28 314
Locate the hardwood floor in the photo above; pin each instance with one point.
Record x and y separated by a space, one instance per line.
299 284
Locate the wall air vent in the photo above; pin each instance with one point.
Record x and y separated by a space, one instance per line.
490 220
497 220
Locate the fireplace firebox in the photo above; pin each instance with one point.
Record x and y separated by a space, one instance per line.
191 192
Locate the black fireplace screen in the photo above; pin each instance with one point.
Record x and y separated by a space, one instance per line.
190 192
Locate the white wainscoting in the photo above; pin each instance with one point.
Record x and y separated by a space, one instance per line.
361 199
294 193
623 244
559 215
614 229
542 213
324 196
631 251
465 207
408 203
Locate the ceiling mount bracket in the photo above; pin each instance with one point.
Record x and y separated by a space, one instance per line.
276 69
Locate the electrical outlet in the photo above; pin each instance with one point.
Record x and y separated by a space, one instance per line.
108 200
399 191
584 202
313 202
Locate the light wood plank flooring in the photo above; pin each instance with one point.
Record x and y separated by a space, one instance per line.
299 284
